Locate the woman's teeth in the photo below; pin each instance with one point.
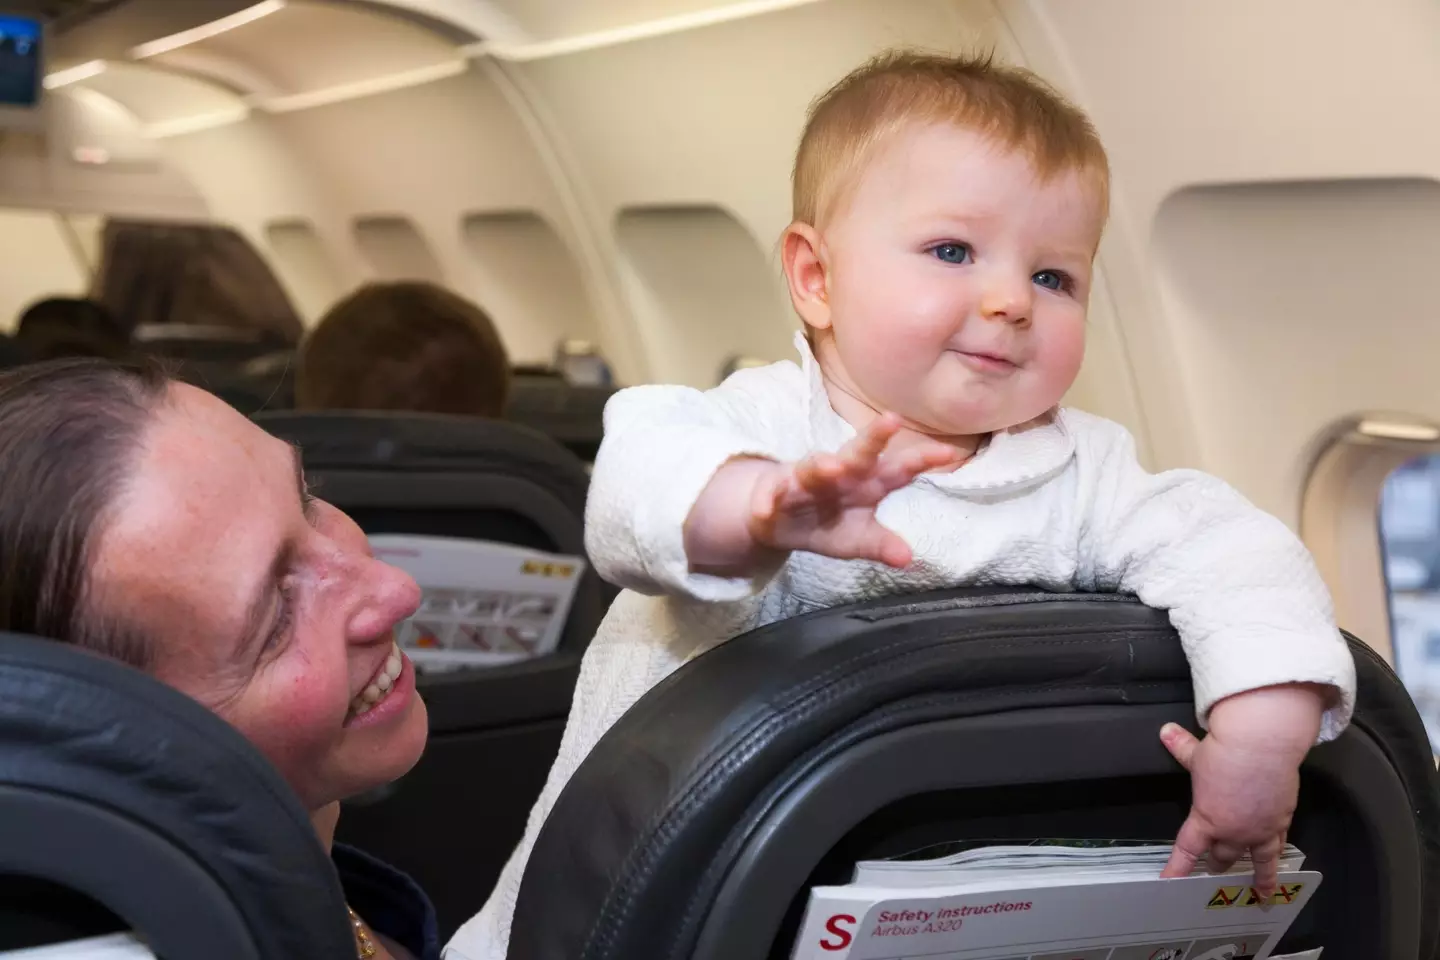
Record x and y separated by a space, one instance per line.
379 685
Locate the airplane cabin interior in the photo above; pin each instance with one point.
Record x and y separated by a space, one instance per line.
608 181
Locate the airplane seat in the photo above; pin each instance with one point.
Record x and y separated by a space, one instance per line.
205 344
125 805
572 414
453 821
264 383
12 353
695 828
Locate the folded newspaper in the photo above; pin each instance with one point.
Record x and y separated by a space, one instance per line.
483 604
1051 900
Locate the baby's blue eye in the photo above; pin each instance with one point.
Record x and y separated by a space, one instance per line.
951 252
1050 279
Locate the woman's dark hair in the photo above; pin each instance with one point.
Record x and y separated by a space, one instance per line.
69 430
404 346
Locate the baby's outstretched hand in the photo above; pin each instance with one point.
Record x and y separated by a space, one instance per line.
825 504
1245 779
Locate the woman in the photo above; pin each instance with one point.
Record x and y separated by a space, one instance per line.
149 521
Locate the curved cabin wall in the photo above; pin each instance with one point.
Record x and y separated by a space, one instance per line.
40 261
702 291
1296 305
1236 320
394 250
304 266
581 135
526 277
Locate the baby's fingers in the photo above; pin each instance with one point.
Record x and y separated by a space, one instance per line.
1266 857
890 549
1190 845
820 474
903 467
862 453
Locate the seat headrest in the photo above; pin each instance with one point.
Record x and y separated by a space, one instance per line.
655 823
433 443
127 791
573 414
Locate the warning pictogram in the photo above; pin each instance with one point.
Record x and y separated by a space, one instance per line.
544 569
1285 893
1224 897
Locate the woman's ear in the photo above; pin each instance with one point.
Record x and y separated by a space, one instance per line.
802 254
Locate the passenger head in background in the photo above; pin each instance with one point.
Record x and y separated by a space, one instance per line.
946 214
59 327
404 346
148 521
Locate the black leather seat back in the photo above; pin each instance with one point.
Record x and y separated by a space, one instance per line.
453 821
184 342
697 825
571 414
126 805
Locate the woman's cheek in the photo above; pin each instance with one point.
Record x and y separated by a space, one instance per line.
301 718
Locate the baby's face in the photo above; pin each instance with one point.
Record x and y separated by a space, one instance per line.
957 284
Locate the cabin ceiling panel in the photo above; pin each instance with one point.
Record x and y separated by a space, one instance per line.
458 138
114 31
156 96
309 46
686 103
556 19
480 19
237 75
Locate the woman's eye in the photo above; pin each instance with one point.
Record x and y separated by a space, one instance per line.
1051 280
951 252
284 617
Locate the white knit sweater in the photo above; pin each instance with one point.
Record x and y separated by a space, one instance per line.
1062 504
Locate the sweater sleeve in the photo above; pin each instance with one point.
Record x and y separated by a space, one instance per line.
662 446
1241 589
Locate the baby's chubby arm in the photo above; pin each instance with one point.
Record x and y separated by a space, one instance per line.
1272 673
704 495
1240 588
663 445
755 511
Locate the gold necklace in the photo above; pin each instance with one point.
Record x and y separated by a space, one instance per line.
364 946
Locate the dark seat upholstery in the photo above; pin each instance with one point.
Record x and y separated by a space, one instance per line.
125 805
206 344
774 762
453 821
571 414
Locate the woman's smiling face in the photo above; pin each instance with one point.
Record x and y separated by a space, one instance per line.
260 601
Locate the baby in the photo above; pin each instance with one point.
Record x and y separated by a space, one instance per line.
947 213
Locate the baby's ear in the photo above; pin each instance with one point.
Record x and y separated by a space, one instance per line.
802 254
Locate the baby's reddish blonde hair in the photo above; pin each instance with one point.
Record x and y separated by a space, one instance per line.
900 90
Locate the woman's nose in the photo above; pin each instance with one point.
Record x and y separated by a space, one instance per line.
385 596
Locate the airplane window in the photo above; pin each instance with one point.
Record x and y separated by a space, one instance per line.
1410 544
395 250
523 273
704 290
304 266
